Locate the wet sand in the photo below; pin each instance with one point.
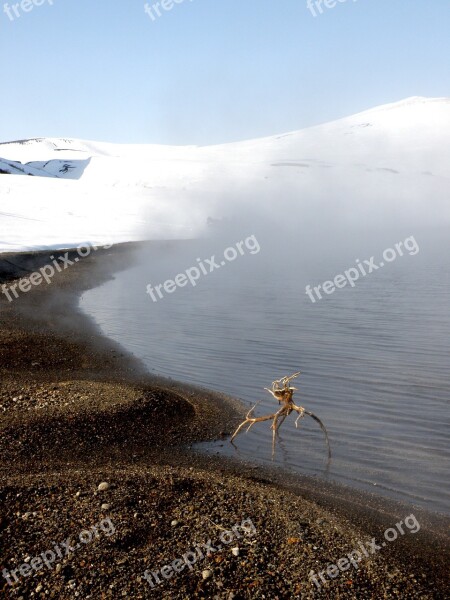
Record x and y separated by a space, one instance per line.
76 411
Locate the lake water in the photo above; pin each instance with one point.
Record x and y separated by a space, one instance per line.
374 358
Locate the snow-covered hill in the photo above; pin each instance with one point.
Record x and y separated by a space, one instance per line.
394 157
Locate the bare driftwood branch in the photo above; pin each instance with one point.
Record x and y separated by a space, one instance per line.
282 391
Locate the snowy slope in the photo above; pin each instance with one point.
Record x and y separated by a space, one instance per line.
392 157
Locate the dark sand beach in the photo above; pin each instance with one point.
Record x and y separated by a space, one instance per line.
77 411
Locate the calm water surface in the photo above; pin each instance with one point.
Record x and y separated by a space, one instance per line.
374 359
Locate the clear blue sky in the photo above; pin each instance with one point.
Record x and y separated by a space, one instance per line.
211 71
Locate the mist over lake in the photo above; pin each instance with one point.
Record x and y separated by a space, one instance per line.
373 357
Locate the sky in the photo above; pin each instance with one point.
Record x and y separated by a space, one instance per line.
206 71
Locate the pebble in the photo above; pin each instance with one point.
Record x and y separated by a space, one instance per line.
206 574
103 486
106 506
235 551
38 589
174 523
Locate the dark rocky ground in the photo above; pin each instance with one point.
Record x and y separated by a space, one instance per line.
76 411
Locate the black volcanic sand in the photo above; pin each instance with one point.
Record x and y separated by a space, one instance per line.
76 411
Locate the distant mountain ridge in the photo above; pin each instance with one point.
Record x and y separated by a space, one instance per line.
396 155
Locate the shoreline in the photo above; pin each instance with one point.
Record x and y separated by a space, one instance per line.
85 411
